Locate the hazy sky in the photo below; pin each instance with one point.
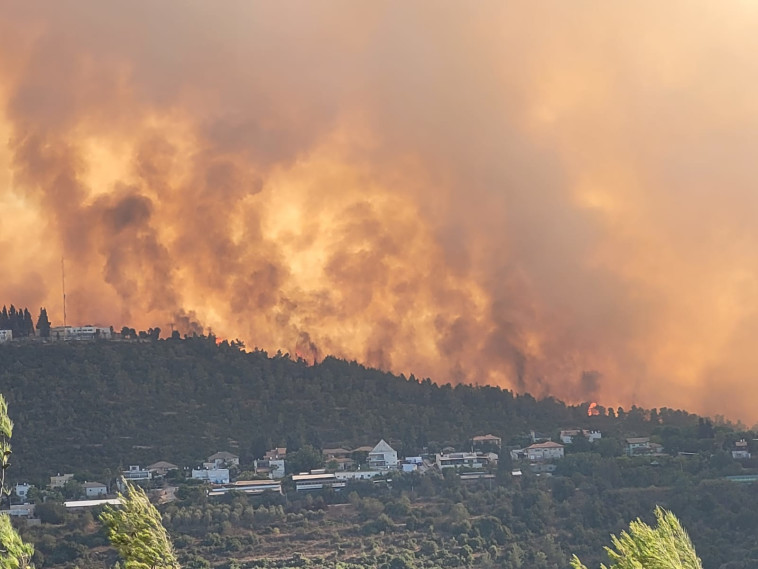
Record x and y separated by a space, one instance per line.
555 197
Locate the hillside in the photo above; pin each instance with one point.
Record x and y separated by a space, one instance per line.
93 407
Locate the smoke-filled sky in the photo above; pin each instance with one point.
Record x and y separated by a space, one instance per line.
558 197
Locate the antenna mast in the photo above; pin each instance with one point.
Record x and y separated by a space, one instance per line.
63 285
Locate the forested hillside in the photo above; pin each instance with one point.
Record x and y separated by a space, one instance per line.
88 406
94 407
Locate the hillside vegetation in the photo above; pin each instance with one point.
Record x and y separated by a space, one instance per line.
93 407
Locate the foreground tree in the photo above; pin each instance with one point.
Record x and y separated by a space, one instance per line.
136 530
666 546
14 553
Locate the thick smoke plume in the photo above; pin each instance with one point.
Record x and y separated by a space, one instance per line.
558 198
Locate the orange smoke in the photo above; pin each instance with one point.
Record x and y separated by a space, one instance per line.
557 199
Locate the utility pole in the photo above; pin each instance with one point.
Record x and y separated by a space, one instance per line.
63 286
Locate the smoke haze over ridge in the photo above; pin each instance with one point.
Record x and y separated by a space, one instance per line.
484 193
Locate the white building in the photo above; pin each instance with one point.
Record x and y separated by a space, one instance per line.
212 475
94 489
136 473
252 487
81 504
80 333
317 480
22 490
544 451
638 445
272 463
465 459
357 475
382 457
567 436
740 450
6 336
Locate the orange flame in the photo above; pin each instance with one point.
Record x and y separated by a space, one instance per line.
592 410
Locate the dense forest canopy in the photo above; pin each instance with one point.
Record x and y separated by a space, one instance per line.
92 405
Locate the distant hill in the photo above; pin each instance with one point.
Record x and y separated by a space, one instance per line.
91 406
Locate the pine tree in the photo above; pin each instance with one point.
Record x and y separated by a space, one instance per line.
28 323
43 323
666 546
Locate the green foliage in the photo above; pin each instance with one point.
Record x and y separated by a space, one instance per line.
304 460
136 530
14 553
666 546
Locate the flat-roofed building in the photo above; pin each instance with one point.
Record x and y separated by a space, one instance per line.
317 481
136 473
212 475
465 459
251 487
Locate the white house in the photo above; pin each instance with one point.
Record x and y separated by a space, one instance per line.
465 459
544 451
740 450
223 458
212 475
382 457
6 336
94 489
273 468
136 473
272 464
638 445
567 436
22 490
593 436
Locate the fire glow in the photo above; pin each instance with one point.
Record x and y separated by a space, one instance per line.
542 212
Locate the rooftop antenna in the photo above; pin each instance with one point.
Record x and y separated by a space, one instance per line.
63 285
